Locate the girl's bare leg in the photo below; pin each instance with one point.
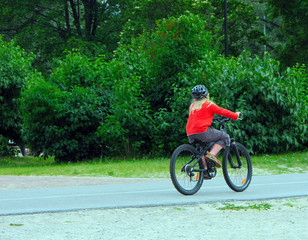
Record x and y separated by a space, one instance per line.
204 162
215 149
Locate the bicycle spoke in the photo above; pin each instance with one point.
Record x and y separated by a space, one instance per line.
237 168
186 179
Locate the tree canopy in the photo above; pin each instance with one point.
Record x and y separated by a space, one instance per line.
294 28
50 27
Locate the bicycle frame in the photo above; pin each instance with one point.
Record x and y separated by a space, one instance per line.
238 159
202 148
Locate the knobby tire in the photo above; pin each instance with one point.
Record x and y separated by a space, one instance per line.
238 179
185 184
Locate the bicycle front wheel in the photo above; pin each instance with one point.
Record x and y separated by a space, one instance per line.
237 167
182 162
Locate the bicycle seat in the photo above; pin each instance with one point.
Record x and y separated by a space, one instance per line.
200 143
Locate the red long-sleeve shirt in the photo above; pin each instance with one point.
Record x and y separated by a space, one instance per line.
200 120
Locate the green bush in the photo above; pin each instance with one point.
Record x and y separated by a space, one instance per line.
126 130
61 116
273 111
61 123
128 126
144 118
272 102
138 102
153 78
15 69
176 45
300 73
5 149
76 70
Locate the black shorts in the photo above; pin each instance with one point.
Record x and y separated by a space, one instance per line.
211 135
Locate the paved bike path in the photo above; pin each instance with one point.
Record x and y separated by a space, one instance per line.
145 194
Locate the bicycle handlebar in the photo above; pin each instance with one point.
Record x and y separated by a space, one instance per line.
225 119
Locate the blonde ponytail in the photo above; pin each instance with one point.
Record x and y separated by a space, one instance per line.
197 104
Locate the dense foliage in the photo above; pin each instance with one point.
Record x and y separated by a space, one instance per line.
15 69
5 149
134 99
50 27
62 114
154 81
294 29
275 115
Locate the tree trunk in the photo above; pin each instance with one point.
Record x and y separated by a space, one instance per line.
67 18
95 22
76 17
91 11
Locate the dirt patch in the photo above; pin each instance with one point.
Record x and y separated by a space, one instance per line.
33 182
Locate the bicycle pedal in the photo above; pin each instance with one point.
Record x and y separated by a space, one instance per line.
206 176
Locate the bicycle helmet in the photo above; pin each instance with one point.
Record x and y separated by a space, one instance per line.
199 91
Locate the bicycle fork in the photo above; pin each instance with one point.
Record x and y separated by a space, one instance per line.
237 155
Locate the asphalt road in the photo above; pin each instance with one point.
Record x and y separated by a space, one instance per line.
145 194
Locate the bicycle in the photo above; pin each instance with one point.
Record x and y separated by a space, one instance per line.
187 171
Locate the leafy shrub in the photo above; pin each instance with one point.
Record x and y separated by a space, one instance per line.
61 123
177 44
143 117
300 73
15 69
274 108
273 111
61 116
157 72
5 149
76 70
127 128
125 131
179 54
138 102
174 50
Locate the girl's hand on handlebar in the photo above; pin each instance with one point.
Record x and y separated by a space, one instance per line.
239 114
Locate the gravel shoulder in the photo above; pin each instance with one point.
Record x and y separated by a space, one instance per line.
285 219
269 219
33 182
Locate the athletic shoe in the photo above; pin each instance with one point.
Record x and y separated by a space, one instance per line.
212 158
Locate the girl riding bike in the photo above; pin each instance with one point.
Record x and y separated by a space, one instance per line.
199 122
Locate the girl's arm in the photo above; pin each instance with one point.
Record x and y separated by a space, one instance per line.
224 112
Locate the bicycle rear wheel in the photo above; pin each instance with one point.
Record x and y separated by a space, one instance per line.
237 170
182 163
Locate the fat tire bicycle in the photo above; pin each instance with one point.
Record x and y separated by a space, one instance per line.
187 171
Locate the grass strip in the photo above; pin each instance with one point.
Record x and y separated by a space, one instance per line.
259 207
293 162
